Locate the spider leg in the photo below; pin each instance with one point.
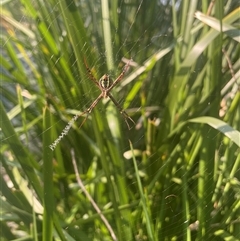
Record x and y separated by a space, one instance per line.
91 75
89 109
119 78
123 113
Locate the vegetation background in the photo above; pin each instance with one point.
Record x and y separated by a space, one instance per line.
175 175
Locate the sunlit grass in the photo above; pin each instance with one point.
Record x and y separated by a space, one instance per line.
174 175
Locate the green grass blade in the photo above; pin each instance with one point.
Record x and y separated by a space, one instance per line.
22 155
143 199
47 179
221 126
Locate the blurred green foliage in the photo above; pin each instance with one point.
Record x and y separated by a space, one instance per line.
173 176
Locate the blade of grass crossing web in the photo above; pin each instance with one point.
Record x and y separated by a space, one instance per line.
186 26
23 113
143 200
107 34
185 201
227 130
34 229
47 178
121 192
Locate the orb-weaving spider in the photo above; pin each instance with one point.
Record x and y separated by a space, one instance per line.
105 85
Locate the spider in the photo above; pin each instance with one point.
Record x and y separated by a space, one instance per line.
105 85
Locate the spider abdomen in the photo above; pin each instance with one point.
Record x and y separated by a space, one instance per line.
105 82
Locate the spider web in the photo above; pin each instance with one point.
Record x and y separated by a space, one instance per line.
142 93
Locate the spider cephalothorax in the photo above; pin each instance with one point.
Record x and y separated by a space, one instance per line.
104 83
